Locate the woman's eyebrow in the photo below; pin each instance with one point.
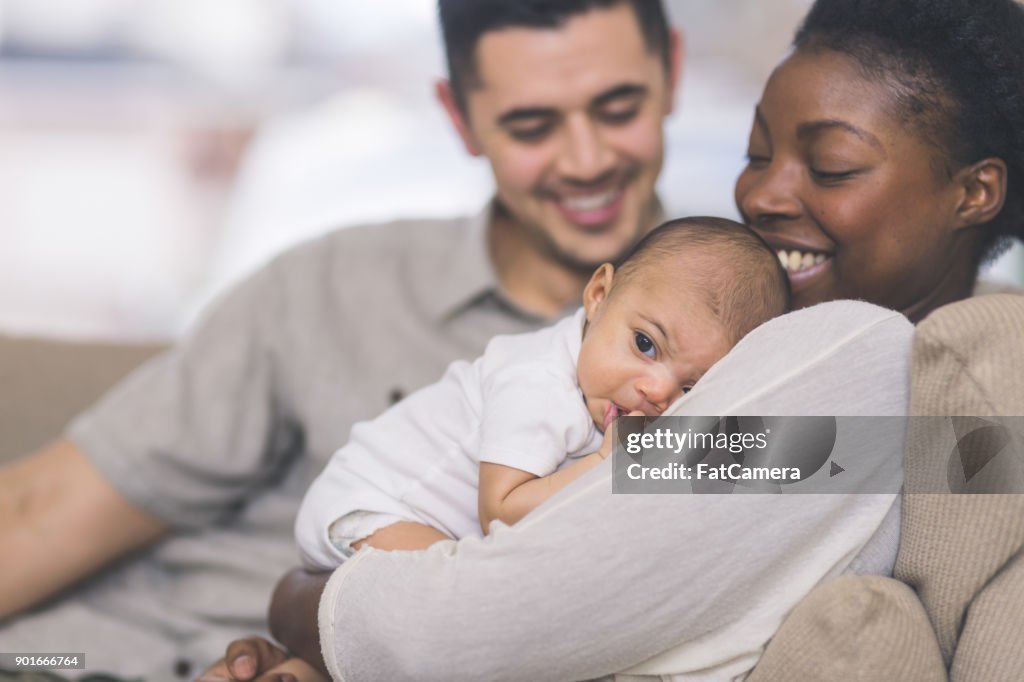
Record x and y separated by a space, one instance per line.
759 118
805 130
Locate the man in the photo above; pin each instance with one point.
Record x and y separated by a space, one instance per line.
189 473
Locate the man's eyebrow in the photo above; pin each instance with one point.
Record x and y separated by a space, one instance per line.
619 92
610 95
526 113
805 130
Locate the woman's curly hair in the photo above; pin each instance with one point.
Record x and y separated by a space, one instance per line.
956 72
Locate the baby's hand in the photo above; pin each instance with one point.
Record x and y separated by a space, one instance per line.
608 444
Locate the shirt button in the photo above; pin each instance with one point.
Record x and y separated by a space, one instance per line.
182 667
395 396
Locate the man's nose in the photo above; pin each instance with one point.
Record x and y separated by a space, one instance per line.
585 155
769 193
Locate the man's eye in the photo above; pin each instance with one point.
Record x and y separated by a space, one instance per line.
619 116
644 344
531 134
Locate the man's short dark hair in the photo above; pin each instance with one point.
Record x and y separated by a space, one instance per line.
464 22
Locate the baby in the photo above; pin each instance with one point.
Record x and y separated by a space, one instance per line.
495 438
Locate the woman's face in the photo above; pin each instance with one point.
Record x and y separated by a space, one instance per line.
853 199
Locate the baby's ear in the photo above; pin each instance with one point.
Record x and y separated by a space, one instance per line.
598 288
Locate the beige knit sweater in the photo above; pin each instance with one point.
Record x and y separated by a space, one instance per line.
955 609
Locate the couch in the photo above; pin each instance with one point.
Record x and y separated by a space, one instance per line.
954 609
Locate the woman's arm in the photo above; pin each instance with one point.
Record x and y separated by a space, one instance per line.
594 582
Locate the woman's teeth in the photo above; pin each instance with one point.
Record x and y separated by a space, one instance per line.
795 261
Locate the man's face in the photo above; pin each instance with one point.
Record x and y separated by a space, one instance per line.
571 121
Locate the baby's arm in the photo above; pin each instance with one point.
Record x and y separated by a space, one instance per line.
509 494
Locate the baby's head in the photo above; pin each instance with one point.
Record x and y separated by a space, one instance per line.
685 295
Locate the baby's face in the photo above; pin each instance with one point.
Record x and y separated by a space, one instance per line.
647 342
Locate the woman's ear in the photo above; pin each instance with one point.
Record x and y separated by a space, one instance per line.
984 191
597 289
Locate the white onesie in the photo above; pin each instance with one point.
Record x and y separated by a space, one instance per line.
518 405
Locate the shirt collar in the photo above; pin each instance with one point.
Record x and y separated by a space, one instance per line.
468 275
470 278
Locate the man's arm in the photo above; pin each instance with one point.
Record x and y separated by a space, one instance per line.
59 522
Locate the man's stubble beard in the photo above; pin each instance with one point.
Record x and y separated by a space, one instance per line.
553 251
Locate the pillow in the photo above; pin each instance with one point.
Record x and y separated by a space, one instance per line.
47 382
854 628
968 361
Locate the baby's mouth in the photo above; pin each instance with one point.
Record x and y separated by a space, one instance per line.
611 414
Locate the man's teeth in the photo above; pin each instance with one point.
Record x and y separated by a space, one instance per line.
590 202
799 260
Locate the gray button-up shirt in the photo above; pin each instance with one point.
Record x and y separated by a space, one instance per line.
221 436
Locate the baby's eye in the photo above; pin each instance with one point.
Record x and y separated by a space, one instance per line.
644 344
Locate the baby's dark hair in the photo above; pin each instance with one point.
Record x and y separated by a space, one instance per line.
956 72
741 278
464 22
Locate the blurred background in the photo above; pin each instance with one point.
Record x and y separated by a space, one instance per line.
154 151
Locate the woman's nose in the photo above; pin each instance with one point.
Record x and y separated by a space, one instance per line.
768 193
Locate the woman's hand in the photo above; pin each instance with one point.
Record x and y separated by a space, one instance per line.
256 659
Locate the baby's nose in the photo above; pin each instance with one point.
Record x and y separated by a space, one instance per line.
659 390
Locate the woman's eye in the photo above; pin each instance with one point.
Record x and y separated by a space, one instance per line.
757 161
644 344
829 177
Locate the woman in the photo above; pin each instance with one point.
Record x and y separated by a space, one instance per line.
886 155
885 164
